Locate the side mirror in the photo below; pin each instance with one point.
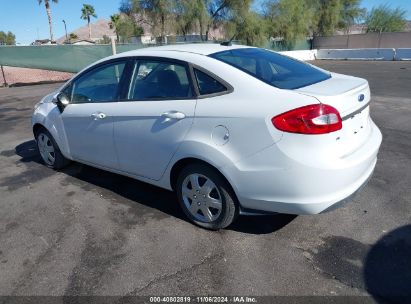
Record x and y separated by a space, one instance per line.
61 101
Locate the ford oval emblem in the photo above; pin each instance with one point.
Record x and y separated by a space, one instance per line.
361 97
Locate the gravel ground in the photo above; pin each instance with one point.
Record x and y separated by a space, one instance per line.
23 76
83 231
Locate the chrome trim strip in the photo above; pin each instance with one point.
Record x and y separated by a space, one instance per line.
356 112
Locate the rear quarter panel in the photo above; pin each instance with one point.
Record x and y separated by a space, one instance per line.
245 114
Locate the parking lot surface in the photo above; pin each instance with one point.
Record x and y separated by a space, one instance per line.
83 231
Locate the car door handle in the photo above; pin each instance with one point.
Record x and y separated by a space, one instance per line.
98 115
173 115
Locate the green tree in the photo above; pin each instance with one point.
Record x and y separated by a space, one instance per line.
385 19
351 13
249 28
327 16
7 38
190 15
186 15
331 15
196 15
73 36
156 13
106 40
126 29
86 13
222 11
290 20
217 11
48 10
10 39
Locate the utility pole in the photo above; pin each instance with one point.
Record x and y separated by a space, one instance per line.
4 77
65 28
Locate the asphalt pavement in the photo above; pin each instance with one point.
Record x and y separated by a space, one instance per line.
83 231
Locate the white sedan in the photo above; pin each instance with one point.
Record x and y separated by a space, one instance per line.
231 129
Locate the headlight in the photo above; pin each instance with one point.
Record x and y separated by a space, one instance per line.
40 102
37 105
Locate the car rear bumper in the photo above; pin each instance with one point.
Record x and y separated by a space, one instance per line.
271 181
348 199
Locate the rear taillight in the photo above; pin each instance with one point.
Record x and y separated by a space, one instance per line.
312 119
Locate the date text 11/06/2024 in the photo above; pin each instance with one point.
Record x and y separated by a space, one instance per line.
239 299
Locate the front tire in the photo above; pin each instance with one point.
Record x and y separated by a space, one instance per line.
205 197
49 150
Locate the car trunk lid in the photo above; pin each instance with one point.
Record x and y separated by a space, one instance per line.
345 93
351 97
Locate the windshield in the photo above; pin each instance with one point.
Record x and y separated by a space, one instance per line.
275 69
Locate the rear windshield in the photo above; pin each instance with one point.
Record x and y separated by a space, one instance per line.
275 69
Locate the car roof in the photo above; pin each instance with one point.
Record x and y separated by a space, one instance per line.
193 52
195 48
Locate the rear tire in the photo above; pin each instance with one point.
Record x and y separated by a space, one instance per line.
206 197
49 150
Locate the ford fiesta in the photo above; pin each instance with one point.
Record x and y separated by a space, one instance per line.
231 129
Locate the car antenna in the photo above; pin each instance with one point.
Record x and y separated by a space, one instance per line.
229 42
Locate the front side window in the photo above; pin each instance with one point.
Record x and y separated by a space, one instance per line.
98 85
159 80
207 84
272 68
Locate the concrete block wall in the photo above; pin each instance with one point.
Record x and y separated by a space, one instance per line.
357 54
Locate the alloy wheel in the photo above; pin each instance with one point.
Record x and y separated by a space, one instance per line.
46 149
201 197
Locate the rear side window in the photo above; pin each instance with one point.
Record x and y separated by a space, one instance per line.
272 68
159 80
207 84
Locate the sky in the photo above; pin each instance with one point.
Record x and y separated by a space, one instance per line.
28 20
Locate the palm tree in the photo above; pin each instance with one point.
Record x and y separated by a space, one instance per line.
115 20
48 10
86 13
